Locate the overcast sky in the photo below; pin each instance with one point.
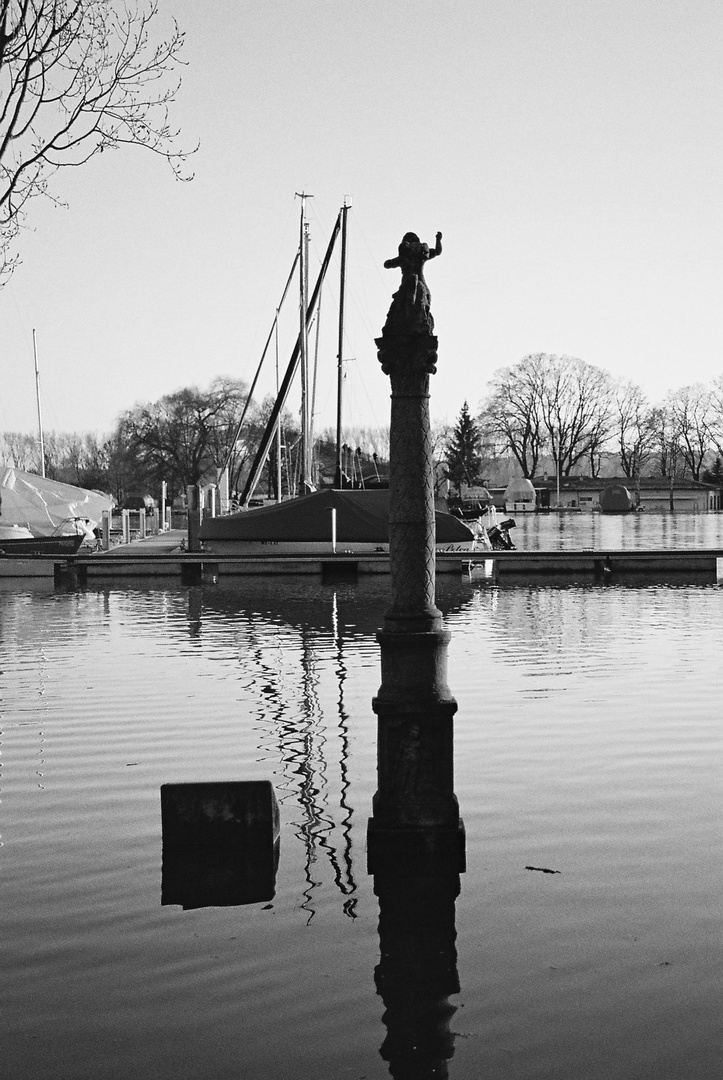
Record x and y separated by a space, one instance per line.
569 150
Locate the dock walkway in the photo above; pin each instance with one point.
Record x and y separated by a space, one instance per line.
164 556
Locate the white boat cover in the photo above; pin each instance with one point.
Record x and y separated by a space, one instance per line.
44 506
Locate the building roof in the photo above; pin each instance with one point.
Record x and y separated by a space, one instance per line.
599 483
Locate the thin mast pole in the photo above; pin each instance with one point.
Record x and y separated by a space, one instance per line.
278 422
340 360
249 396
291 370
37 395
304 339
312 389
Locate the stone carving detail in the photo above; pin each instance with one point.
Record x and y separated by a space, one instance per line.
411 353
410 311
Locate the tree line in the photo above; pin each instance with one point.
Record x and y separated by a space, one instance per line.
545 413
574 415
190 437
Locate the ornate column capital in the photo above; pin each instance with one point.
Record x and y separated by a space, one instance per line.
407 354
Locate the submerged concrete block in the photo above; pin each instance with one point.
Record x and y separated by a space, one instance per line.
220 843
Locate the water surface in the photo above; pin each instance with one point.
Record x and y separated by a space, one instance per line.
587 741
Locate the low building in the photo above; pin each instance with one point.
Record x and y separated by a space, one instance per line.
651 493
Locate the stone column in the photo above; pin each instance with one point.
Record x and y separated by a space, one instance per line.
415 811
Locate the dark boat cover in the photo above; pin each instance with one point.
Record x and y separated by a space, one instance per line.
361 517
616 499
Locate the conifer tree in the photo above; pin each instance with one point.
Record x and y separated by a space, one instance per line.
464 451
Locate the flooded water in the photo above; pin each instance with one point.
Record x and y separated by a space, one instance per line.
574 530
588 741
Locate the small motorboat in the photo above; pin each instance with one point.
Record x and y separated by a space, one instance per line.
17 540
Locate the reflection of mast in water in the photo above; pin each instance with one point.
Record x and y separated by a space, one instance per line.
314 820
295 730
349 885
314 797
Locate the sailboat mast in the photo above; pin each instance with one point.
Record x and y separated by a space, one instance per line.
340 360
37 396
278 422
304 342
264 445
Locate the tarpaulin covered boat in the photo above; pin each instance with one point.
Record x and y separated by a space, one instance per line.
354 520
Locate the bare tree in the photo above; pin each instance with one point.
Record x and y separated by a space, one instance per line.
716 413
511 415
184 438
635 429
78 77
20 450
692 418
576 407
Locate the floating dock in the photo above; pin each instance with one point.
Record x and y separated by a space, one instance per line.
163 557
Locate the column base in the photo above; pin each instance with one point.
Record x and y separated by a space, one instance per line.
415 850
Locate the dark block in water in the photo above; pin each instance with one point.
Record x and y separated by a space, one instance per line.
220 843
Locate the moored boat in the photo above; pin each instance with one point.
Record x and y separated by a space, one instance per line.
332 520
16 540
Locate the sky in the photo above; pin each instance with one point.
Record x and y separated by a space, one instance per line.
570 151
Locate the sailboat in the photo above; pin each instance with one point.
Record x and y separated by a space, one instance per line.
40 516
354 521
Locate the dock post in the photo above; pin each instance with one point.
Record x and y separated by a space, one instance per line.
195 512
126 526
107 521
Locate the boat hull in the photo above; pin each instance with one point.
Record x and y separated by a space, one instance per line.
42 545
320 547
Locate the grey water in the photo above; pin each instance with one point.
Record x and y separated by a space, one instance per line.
587 741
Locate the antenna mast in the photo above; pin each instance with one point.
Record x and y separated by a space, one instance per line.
37 395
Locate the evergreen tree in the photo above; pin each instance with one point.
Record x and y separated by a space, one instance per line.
464 451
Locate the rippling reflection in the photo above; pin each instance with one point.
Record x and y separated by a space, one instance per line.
312 749
588 740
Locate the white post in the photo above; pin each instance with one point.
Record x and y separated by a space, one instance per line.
142 524
223 492
126 525
164 496
107 521
333 529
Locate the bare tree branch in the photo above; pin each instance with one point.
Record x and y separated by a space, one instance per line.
78 77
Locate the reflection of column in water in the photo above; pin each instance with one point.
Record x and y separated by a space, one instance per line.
417 971
195 607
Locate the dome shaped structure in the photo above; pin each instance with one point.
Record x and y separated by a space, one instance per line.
616 499
520 495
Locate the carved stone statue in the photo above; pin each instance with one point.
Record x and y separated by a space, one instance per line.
410 311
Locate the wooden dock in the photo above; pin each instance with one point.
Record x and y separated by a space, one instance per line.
163 557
